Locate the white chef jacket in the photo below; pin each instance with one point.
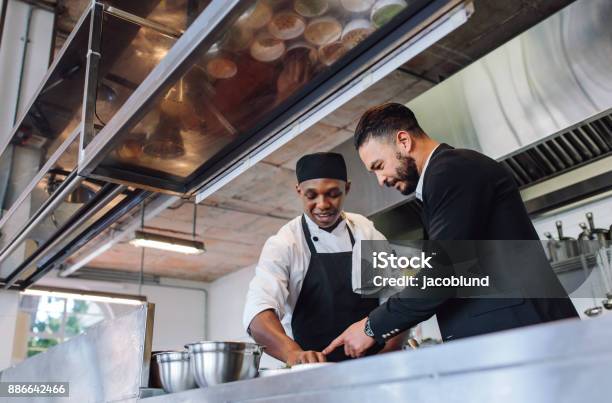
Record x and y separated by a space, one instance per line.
285 257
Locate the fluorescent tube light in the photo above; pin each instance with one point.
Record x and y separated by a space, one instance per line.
169 243
85 297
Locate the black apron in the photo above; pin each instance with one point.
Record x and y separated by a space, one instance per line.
327 304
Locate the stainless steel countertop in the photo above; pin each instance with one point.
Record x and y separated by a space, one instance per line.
567 361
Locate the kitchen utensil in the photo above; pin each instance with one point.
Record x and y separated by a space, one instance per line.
599 234
594 311
587 246
585 234
607 303
551 247
175 371
323 31
216 362
357 6
286 25
602 259
384 11
267 48
310 8
567 247
356 31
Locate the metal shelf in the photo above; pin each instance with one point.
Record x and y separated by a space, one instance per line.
80 91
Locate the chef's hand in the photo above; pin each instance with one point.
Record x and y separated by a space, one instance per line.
304 357
354 339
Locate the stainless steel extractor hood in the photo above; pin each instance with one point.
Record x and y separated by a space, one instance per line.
540 104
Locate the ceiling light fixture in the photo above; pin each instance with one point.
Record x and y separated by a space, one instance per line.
85 297
169 243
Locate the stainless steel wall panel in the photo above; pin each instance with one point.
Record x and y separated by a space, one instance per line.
108 363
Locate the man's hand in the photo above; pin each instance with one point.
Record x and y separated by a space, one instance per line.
304 357
354 339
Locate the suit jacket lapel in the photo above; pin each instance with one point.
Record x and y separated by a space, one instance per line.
432 161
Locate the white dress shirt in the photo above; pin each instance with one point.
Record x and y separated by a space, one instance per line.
285 257
419 189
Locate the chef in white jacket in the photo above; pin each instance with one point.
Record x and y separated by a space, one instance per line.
306 286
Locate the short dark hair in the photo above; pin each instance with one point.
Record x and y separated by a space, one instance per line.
385 120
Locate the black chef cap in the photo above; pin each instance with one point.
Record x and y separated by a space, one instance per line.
321 166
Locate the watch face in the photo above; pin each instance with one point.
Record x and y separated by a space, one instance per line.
368 330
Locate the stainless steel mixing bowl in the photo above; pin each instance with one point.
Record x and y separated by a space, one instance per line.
175 371
215 362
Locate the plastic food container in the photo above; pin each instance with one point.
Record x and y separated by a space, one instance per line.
286 25
221 67
267 48
384 11
355 32
323 31
220 64
257 16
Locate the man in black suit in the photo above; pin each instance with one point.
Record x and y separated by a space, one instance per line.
465 196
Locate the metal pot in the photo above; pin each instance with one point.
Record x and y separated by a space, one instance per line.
215 362
587 245
551 247
567 247
598 234
175 371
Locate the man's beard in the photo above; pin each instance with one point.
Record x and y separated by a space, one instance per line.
407 173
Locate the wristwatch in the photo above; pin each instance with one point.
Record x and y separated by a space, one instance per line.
368 329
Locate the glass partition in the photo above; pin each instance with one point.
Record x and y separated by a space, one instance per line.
261 58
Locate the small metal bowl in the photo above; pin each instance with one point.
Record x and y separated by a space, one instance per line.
594 311
607 303
214 362
175 371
